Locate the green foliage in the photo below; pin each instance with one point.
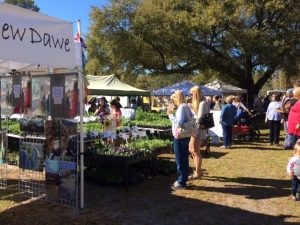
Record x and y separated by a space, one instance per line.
233 38
135 148
27 4
148 145
93 126
150 119
13 126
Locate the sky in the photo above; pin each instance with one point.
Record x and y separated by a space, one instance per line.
70 10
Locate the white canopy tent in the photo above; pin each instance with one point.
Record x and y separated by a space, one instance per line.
226 89
29 38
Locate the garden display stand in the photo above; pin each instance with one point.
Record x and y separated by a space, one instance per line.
97 163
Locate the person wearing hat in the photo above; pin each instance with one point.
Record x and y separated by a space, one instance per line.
93 105
102 110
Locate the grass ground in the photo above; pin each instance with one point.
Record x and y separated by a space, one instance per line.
245 185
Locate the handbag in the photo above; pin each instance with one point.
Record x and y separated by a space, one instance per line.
187 129
206 121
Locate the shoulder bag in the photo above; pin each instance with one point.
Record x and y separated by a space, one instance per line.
206 121
188 127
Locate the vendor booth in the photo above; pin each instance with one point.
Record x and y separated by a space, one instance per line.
30 39
225 89
110 85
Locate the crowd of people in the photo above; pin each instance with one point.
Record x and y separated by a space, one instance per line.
104 109
197 106
280 111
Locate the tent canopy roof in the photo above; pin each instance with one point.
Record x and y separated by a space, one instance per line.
111 85
225 88
184 86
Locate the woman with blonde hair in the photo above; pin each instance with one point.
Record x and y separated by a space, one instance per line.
180 145
199 107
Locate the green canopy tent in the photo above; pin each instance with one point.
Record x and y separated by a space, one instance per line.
111 85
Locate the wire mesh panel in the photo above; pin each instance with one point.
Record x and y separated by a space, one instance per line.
32 183
44 167
53 177
3 160
62 181
61 165
31 163
3 175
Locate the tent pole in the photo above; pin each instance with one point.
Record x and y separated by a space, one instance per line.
81 89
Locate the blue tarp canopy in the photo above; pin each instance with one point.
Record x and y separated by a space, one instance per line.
184 86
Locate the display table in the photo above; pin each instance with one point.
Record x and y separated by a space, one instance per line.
96 164
216 132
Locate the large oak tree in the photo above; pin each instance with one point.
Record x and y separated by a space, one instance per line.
237 38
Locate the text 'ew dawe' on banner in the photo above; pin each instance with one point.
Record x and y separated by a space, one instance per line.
31 37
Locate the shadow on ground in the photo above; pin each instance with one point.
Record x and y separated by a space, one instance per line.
149 203
252 188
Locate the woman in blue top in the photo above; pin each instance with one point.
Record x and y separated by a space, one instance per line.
227 119
180 145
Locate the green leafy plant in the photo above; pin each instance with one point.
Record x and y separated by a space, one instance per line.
92 126
13 126
148 146
150 119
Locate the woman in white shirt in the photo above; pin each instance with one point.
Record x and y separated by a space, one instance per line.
273 119
199 107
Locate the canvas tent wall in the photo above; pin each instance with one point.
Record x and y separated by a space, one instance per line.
184 86
111 85
226 89
34 38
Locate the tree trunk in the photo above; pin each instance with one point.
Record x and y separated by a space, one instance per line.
254 88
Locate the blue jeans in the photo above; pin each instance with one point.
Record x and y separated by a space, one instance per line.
295 183
294 139
288 141
227 135
181 151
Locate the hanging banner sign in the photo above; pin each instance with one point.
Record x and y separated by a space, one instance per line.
31 37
